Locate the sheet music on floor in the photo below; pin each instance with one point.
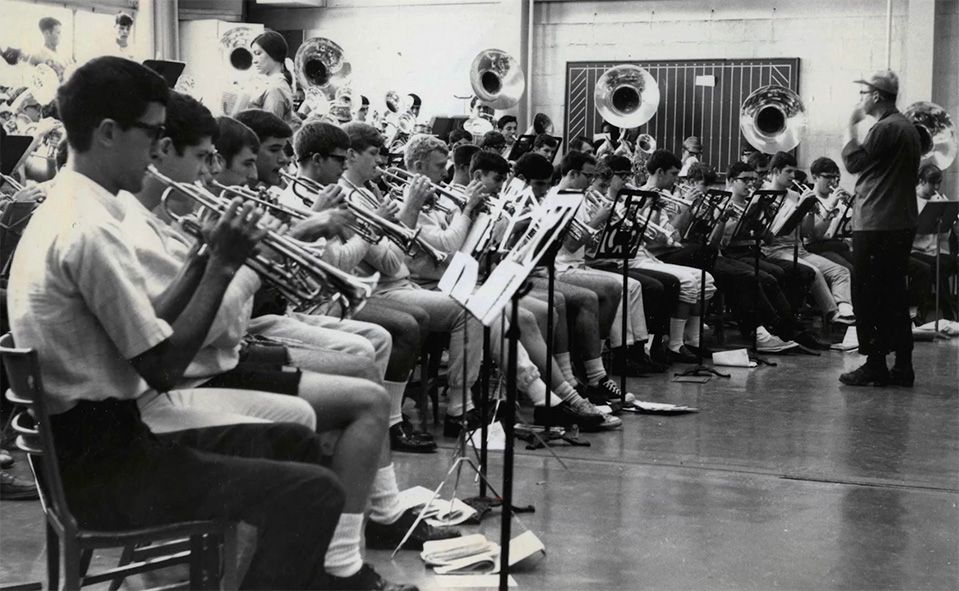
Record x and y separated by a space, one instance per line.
475 554
440 513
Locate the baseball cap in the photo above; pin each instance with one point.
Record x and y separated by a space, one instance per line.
884 80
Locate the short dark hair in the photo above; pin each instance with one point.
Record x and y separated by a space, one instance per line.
90 96
759 160
124 20
233 136
663 159
264 124
493 139
533 167
545 140
459 134
702 172
737 168
617 163
488 162
930 173
363 136
188 122
578 141
47 23
574 160
823 165
319 137
781 160
504 121
463 154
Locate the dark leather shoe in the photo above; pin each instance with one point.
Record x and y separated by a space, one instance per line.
811 341
563 415
386 537
684 355
412 431
902 376
367 579
707 353
401 440
451 425
866 375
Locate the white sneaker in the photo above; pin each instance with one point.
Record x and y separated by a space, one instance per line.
770 343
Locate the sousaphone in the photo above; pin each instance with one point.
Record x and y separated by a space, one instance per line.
937 132
627 96
773 119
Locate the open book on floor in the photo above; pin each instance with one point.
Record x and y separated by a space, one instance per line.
475 554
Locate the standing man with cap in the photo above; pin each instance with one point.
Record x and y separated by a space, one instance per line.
884 224
692 150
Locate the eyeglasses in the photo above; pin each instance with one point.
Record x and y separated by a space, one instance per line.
747 179
156 131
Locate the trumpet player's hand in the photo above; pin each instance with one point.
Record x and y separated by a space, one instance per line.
389 209
328 223
419 191
475 195
30 194
330 197
234 236
601 216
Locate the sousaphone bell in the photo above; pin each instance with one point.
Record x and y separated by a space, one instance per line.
235 47
626 96
773 119
936 131
497 79
319 63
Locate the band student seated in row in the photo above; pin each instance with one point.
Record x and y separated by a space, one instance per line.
79 299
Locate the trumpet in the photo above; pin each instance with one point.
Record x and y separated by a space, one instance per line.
300 275
259 197
9 180
363 225
669 198
402 177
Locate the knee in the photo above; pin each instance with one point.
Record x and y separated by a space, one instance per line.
373 401
408 335
527 321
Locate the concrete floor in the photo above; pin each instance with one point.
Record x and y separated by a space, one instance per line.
784 480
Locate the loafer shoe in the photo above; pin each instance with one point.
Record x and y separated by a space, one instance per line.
904 377
16 489
866 375
451 425
367 579
684 355
401 440
381 536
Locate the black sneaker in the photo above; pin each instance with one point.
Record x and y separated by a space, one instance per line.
607 392
866 375
451 425
367 579
902 376
386 536
403 440
16 489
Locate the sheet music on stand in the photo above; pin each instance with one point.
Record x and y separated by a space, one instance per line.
839 224
622 231
761 210
705 215
791 214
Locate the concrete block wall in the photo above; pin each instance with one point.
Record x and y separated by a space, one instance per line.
945 77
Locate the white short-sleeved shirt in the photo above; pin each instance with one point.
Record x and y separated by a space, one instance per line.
76 295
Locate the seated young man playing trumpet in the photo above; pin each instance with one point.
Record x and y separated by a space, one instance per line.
356 408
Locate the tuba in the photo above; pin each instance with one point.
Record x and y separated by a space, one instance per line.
235 48
936 132
497 79
773 119
324 75
626 96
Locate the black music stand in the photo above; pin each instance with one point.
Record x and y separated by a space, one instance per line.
793 225
522 145
705 215
933 217
620 240
761 210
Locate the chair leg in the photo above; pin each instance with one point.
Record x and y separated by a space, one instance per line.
86 555
53 558
228 559
72 578
196 562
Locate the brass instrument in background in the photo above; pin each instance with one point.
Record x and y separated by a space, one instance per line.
235 47
324 75
626 96
11 182
299 274
773 119
541 124
403 177
937 132
497 79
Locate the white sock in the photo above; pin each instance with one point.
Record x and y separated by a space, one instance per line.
536 390
594 371
396 391
676 328
563 393
384 496
343 558
691 333
566 365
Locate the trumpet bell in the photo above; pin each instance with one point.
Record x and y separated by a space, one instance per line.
235 46
937 132
497 79
626 96
319 63
773 119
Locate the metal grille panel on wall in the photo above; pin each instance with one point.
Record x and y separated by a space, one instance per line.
688 105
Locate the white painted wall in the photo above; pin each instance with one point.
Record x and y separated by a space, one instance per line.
407 47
